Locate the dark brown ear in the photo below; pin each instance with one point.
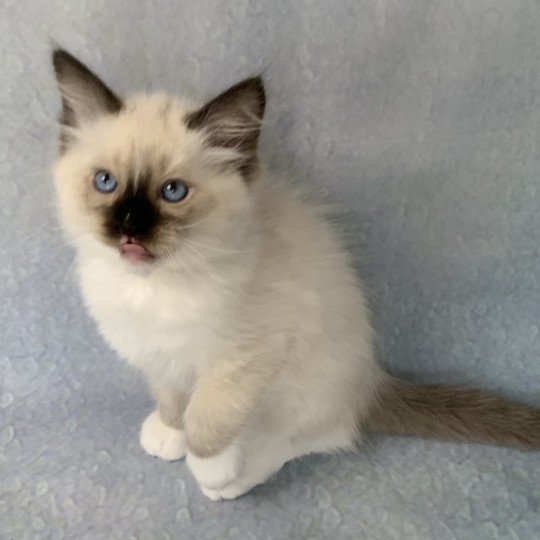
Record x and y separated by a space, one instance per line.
233 120
84 96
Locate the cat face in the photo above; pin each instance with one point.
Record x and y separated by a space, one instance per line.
147 175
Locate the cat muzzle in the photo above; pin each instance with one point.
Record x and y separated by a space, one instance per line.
133 251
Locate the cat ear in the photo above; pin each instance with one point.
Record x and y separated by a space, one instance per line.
233 120
84 96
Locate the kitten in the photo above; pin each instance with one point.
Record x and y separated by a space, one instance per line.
231 294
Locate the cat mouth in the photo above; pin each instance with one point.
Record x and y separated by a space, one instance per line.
134 251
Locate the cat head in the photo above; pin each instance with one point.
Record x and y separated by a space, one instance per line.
146 176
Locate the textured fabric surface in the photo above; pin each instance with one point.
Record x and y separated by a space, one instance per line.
422 120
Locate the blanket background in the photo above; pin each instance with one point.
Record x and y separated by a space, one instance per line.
421 119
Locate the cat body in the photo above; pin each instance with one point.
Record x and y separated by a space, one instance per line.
279 310
230 292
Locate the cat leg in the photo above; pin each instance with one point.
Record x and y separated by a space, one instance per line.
217 472
218 410
260 464
224 398
266 454
161 433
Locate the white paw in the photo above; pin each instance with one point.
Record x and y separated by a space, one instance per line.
160 440
217 472
212 494
232 491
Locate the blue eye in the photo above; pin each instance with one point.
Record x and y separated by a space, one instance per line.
105 182
174 190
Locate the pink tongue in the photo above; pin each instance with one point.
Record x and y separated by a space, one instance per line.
134 252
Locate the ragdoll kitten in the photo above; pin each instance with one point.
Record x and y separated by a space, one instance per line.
231 294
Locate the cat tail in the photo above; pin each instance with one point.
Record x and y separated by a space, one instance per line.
453 413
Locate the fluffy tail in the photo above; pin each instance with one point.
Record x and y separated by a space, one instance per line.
454 413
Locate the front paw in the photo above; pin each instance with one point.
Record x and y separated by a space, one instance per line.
160 440
232 491
217 472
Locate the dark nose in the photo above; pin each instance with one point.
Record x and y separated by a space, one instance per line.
134 216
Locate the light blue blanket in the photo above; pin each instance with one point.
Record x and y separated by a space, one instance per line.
421 119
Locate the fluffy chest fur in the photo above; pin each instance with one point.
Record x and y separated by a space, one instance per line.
168 329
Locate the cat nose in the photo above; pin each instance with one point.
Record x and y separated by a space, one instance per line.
134 216
135 223
132 225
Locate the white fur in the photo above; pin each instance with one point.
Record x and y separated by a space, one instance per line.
218 472
160 440
305 305
257 455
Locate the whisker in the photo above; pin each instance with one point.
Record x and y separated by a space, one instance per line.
211 270
215 248
191 225
36 234
71 267
173 260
